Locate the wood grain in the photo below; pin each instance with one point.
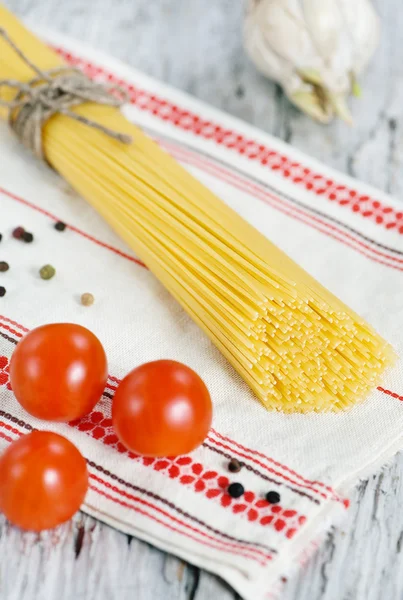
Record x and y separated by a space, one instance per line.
196 45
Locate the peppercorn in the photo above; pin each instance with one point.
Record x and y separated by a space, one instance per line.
1 236
18 232
236 490
87 299
47 272
234 465
4 266
273 497
27 237
2 291
60 226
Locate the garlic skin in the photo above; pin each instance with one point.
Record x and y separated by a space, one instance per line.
314 49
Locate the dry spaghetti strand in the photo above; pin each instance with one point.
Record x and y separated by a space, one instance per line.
298 347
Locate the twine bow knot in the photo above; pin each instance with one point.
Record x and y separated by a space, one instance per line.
52 92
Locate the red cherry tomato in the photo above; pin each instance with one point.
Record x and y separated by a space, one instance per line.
162 408
43 481
58 372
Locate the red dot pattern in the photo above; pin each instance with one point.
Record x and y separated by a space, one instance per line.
196 477
4 372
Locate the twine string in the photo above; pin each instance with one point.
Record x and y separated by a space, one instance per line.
51 92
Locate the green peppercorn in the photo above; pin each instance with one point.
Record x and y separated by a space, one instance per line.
47 272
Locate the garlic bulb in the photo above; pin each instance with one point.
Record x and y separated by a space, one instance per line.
314 49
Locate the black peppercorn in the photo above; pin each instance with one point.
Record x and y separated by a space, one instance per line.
273 497
27 237
2 291
1 236
234 465
236 490
4 266
60 226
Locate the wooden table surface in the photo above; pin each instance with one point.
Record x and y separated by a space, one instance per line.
196 46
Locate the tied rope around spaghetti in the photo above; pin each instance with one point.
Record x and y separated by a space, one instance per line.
54 92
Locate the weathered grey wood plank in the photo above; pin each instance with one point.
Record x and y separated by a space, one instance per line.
196 46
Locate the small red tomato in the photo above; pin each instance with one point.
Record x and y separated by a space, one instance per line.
43 481
58 372
162 408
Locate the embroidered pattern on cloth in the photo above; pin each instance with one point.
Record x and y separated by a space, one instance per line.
364 205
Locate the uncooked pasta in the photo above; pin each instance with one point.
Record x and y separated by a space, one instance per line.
296 345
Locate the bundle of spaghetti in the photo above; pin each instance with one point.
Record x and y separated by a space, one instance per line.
296 345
